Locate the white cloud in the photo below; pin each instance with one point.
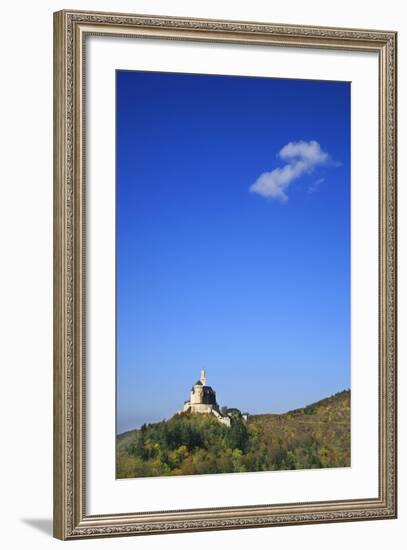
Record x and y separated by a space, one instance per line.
301 157
315 185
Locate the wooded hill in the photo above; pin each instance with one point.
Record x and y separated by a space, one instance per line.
316 436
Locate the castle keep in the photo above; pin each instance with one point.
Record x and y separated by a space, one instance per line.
203 400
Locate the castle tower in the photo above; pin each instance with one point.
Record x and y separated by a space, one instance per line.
203 401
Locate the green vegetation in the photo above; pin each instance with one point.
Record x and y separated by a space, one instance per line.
317 436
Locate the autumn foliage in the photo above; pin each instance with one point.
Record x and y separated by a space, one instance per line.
317 436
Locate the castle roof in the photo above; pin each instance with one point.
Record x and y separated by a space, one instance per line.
199 383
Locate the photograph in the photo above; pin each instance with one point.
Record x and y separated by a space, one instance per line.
225 290
233 274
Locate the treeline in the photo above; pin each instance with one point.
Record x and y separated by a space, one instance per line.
199 444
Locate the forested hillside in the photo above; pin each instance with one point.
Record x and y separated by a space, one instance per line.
316 436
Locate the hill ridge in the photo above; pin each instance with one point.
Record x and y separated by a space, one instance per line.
314 436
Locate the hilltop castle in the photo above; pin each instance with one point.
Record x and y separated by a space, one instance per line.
203 401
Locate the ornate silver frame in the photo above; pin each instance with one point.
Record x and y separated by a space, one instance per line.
70 518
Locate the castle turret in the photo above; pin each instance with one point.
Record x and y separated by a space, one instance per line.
203 401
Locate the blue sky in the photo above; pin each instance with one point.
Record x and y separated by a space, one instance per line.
233 241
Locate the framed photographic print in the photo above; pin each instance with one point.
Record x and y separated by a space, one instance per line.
224 274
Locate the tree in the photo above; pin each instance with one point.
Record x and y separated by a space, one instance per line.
237 437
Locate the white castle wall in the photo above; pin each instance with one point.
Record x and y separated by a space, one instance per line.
196 405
